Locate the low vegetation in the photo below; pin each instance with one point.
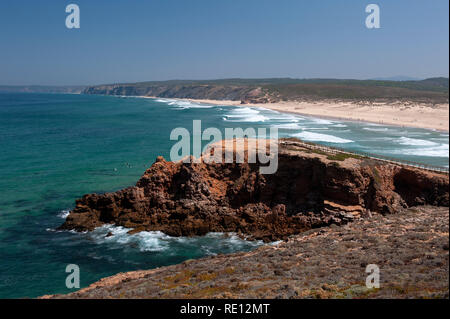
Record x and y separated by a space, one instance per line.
433 90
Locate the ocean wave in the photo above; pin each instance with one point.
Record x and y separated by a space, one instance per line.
268 110
190 105
436 151
145 241
281 117
317 128
260 114
164 100
64 213
311 136
321 121
156 241
376 129
245 114
395 131
288 126
254 118
182 104
244 111
414 142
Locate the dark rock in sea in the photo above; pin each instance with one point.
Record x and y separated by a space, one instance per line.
309 190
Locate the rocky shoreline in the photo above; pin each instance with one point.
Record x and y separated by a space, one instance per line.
336 213
411 249
310 189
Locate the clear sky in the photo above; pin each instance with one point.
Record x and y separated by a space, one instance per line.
137 40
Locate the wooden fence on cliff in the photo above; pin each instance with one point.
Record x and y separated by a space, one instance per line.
382 158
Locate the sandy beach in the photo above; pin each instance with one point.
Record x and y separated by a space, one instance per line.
427 116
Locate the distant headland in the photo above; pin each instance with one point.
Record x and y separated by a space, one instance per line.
414 103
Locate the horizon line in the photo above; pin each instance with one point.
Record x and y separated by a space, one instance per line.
376 78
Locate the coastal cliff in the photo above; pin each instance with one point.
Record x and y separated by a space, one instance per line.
253 91
243 94
309 190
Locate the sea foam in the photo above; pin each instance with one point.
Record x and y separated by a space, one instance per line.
322 121
311 136
156 241
287 126
414 142
182 104
376 129
64 213
245 114
435 151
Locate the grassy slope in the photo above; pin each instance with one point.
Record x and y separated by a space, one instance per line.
432 84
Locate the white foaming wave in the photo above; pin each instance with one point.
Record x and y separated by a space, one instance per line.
268 110
54 230
229 240
245 114
399 132
164 100
190 105
64 213
376 129
245 111
289 119
419 133
145 240
156 241
414 142
339 125
259 114
321 121
278 116
254 118
435 151
311 136
182 104
288 126
316 128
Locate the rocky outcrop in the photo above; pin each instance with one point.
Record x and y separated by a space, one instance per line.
309 190
410 248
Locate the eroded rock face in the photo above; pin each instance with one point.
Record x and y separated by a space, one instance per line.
307 191
243 93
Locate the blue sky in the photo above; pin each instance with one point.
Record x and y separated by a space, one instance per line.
136 40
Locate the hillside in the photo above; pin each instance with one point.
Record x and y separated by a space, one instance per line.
432 91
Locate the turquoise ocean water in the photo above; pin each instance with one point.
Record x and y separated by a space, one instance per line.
57 147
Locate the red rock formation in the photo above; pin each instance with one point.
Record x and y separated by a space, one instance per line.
307 191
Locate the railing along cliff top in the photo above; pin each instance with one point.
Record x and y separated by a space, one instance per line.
382 158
